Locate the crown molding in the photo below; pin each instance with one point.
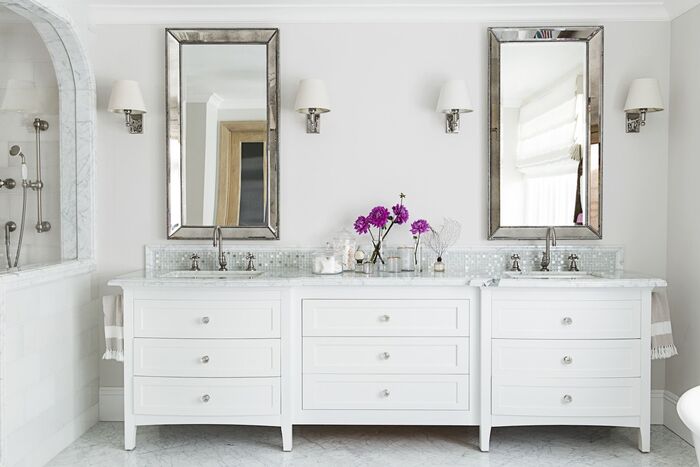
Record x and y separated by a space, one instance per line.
533 11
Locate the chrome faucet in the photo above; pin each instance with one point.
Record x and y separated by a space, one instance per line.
218 240
547 255
250 265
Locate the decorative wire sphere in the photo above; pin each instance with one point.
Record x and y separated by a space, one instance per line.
441 238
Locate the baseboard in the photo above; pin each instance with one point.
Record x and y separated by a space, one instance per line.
657 406
111 404
671 419
48 449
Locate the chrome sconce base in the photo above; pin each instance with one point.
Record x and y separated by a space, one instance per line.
635 121
452 122
313 122
134 122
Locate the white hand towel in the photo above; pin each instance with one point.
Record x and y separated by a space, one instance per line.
114 327
661 334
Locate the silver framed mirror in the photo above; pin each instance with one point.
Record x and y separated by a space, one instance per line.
546 132
222 133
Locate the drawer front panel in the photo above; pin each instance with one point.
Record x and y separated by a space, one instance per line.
206 319
566 397
388 355
564 319
386 392
206 357
386 317
572 358
206 396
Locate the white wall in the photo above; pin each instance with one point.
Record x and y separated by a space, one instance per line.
23 56
382 137
50 368
683 371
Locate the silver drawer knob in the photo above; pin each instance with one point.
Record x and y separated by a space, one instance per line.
567 321
384 318
567 360
386 356
567 399
205 359
206 398
205 320
386 393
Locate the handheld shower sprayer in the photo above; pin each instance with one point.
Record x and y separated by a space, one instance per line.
15 150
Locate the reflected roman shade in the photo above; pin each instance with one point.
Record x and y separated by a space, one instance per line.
550 128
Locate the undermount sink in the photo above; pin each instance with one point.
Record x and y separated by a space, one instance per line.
213 274
549 275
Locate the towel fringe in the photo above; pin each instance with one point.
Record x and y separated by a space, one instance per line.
665 351
117 355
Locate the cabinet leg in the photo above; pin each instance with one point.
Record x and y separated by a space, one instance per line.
645 438
287 438
129 436
484 438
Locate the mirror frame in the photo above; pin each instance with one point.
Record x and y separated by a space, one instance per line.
593 37
174 39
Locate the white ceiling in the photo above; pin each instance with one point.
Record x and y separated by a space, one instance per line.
284 11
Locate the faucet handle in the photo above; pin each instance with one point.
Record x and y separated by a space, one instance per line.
516 262
249 256
573 262
195 262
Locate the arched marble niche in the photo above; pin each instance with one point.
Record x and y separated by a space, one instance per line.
76 87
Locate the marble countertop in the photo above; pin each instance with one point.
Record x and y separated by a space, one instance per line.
297 277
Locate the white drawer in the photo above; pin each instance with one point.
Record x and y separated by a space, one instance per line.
206 396
206 357
386 317
566 319
604 397
403 355
386 392
572 358
206 318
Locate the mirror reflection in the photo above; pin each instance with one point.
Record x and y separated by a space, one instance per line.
224 117
543 134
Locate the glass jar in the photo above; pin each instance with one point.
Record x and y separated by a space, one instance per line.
327 261
345 243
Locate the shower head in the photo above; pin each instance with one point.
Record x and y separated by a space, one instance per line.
16 150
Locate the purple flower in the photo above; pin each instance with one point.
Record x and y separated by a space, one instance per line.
361 225
420 226
378 217
400 213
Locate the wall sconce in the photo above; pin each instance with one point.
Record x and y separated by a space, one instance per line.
644 96
454 100
312 100
126 98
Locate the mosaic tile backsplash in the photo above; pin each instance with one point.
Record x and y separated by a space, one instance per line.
488 261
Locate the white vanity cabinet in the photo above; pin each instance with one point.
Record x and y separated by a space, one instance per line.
565 356
387 356
204 355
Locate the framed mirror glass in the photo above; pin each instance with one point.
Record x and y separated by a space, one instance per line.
222 133
545 121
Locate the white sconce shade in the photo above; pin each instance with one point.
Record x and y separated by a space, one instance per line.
126 95
312 100
644 96
20 96
126 98
454 100
454 96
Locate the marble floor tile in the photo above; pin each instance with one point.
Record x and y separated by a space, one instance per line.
205 446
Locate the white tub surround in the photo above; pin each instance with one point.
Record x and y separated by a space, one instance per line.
566 352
